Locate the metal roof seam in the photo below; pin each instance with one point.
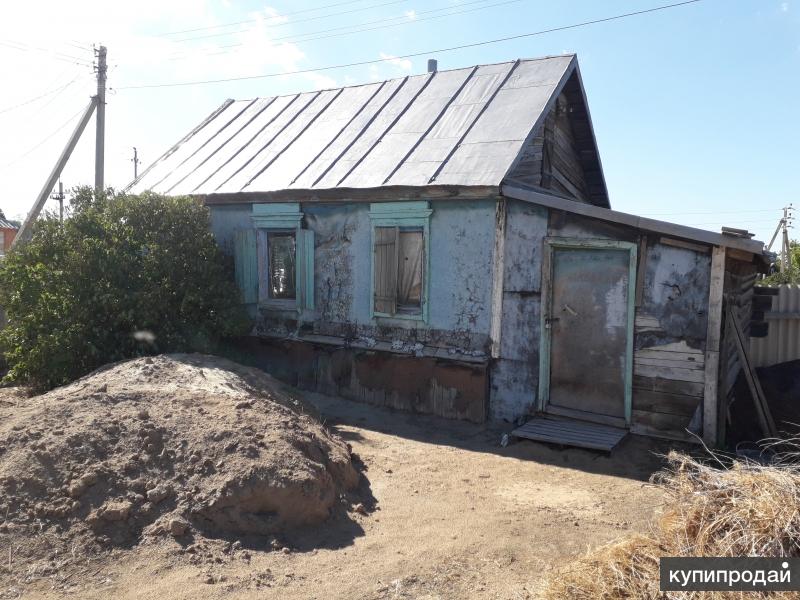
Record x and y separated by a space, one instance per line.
475 120
294 139
225 143
436 119
218 111
363 130
389 128
250 141
339 133
203 145
272 139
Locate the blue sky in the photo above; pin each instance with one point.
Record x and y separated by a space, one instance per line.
695 108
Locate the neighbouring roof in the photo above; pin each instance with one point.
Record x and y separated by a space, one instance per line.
6 224
463 127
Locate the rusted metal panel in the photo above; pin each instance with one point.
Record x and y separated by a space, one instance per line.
588 330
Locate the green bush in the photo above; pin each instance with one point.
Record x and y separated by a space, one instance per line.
123 276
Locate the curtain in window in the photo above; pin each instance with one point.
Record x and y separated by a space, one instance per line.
410 256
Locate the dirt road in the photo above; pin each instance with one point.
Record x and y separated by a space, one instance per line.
450 514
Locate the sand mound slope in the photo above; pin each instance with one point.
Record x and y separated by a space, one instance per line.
169 445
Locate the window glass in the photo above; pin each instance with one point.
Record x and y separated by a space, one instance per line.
281 250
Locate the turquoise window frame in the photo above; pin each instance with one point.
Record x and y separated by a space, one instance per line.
550 244
416 214
281 217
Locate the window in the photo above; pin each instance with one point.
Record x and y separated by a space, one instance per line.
275 259
282 270
399 256
400 259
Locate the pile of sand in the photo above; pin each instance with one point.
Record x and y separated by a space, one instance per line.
747 509
184 446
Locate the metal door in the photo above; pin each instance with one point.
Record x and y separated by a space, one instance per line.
587 335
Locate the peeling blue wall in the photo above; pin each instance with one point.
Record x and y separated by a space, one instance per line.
461 245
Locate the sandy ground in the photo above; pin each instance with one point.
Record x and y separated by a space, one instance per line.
452 515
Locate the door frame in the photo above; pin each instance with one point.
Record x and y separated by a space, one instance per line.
550 244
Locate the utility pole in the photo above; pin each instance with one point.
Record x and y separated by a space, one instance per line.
59 195
783 228
136 162
99 151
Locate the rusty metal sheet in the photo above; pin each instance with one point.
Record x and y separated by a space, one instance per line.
588 330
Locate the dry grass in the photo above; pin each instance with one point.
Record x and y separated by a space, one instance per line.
745 510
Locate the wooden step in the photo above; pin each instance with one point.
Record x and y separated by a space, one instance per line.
570 432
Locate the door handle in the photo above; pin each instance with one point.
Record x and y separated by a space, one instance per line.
549 320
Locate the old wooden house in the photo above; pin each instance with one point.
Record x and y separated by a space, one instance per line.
443 243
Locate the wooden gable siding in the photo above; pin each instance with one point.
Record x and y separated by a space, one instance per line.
552 159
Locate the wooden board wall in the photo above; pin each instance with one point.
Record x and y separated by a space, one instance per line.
670 337
552 159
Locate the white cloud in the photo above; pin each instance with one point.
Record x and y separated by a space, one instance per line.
401 63
139 53
784 7
411 15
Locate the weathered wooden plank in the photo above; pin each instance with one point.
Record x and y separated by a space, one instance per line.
693 357
646 322
713 333
661 402
670 386
678 436
681 346
641 269
498 274
674 373
666 363
390 193
661 421
684 244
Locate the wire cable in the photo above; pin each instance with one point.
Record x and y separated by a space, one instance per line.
402 20
296 12
344 12
415 54
45 140
56 91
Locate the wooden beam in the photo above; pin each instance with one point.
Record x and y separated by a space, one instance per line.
498 276
713 334
740 255
397 193
683 244
641 270
546 198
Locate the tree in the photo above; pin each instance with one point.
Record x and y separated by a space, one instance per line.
792 273
124 276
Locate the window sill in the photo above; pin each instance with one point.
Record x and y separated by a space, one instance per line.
279 305
401 316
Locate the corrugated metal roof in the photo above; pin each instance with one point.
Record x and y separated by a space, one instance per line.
459 127
5 224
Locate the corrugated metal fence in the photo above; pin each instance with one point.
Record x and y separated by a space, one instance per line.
782 343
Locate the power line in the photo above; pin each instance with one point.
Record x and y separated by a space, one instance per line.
24 47
403 20
56 91
713 212
415 54
45 140
336 14
297 12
